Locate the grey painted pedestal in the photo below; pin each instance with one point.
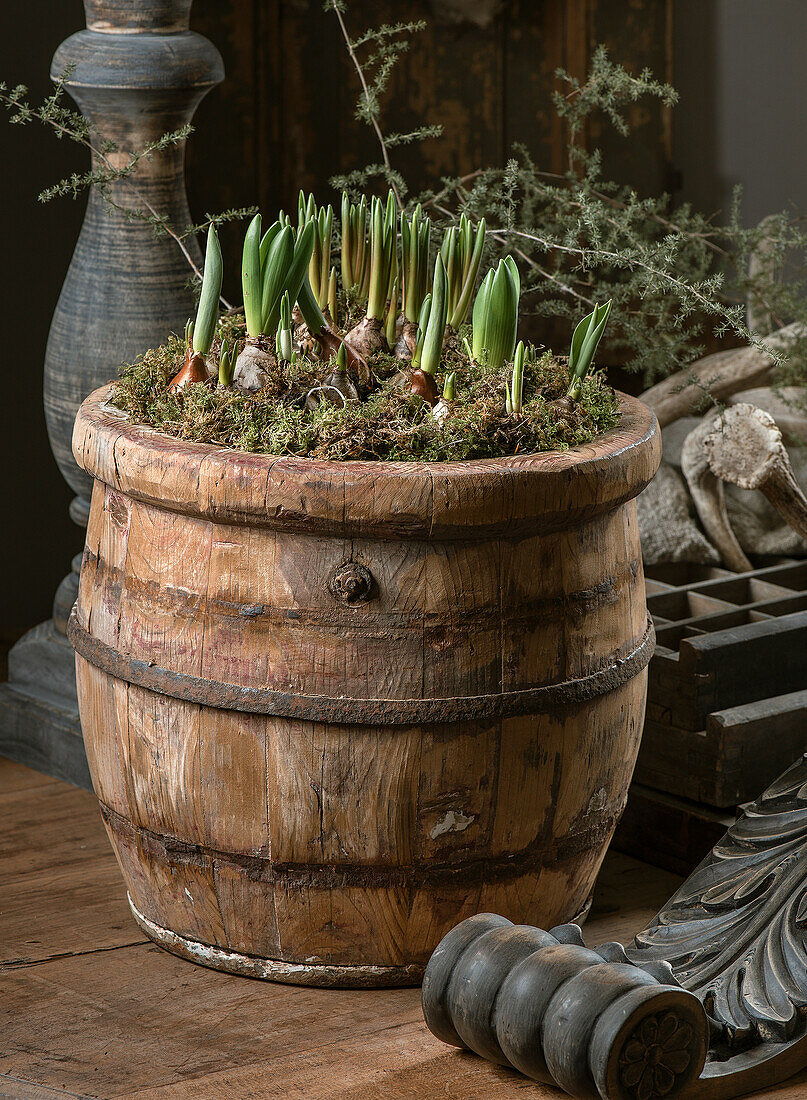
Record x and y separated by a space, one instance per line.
136 72
39 724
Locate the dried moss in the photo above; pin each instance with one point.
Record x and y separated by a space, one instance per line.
387 424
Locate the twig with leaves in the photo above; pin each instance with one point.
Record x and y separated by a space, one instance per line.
103 173
670 271
388 42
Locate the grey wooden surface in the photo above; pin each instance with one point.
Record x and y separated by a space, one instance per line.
126 289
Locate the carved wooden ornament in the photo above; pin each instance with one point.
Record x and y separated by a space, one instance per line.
710 1002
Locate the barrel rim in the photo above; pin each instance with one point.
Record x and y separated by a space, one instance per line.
317 974
518 494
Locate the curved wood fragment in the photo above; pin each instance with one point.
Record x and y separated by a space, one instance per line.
745 447
706 490
721 374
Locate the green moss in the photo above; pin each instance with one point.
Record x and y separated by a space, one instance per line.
387 424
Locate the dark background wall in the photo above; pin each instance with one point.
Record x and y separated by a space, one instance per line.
38 539
283 119
484 69
739 66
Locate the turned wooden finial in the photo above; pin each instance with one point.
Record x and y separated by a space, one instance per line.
707 1003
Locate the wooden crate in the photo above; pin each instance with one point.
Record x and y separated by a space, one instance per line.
727 691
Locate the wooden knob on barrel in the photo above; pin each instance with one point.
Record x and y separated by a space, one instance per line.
351 583
588 1021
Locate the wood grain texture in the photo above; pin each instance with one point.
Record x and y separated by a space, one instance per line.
54 862
437 501
349 835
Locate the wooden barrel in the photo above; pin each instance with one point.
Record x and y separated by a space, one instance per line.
331 709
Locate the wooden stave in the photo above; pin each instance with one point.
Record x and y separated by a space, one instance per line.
535 620
419 902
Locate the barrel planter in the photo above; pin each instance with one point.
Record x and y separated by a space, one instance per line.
331 709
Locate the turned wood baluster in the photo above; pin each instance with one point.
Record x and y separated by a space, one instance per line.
137 72
587 1020
707 1004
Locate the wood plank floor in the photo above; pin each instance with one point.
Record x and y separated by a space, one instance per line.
89 1008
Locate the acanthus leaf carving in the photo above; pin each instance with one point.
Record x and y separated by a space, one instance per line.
735 933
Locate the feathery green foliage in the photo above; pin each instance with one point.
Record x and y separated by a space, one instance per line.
110 176
672 272
382 48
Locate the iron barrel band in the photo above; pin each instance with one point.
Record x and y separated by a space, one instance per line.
373 712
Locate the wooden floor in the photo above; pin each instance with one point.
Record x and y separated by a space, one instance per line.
89 1008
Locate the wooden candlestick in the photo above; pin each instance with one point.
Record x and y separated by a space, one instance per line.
137 72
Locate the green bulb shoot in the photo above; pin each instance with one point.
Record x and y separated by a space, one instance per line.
585 341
